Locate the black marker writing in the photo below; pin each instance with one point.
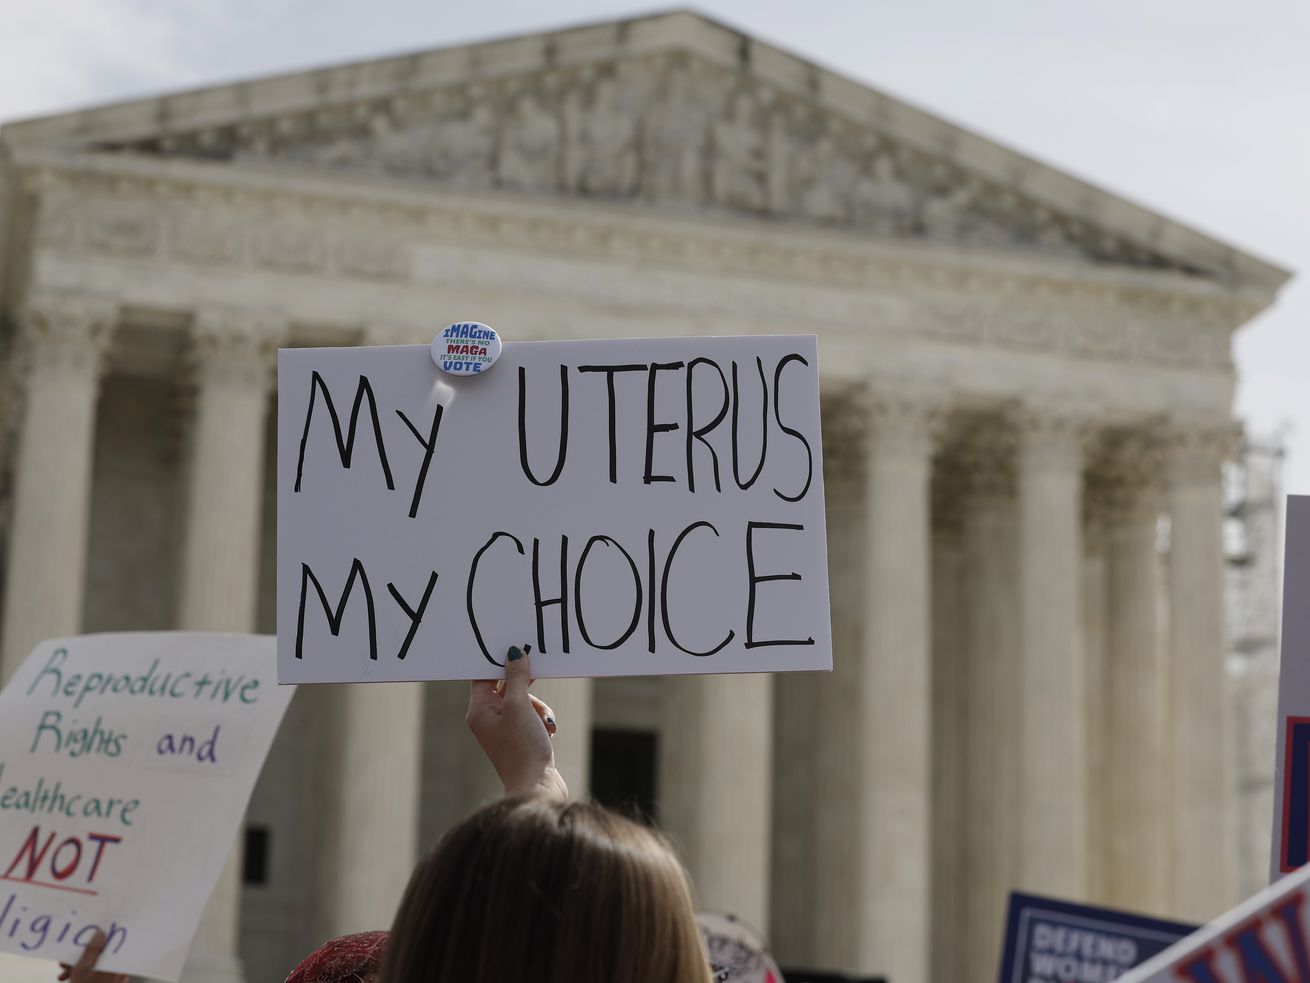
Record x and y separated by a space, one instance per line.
664 591
429 447
777 415
764 426
468 597
415 616
335 617
541 603
563 426
753 578
652 428
694 432
577 594
609 371
346 445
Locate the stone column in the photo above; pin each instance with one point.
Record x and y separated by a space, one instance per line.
370 803
371 799
1202 837
949 705
893 731
1053 752
232 353
571 701
991 677
834 889
716 768
1135 726
63 342
1095 630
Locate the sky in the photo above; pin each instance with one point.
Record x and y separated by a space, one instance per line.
1194 108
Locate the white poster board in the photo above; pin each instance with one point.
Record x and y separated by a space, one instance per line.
1262 940
1291 839
625 507
126 762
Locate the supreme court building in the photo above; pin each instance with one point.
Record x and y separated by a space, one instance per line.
1027 391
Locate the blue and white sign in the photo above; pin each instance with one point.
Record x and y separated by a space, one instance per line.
1048 941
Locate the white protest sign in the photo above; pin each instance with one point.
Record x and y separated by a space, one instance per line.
1262 940
626 507
126 762
1291 840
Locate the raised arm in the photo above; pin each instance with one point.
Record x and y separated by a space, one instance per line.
514 730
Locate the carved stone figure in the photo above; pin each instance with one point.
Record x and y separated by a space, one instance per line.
400 150
463 149
740 164
674 139
376 145
945 215
605 145
825 176
883 200
1050 234
777 165
529 147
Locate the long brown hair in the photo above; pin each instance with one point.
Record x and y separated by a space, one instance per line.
541 891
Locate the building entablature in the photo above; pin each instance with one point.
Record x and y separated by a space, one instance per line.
335 254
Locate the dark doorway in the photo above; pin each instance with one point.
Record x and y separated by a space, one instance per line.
623 771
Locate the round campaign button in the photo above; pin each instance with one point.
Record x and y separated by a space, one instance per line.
466 348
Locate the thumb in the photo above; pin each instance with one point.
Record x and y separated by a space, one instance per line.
518 675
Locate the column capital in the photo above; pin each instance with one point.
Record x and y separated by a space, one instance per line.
1195 450
844 428
69 330
235 345
1052 438
982 469
903 419
1125 478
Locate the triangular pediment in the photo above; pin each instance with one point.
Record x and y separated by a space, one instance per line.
671 111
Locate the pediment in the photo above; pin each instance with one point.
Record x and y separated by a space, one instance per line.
671 112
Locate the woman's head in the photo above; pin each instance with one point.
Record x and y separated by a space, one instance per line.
542 890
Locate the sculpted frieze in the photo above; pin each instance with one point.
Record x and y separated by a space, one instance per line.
669 130
373 259
124 228
289 249
202 236
1105 336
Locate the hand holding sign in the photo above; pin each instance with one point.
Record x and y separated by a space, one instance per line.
514 731
84 970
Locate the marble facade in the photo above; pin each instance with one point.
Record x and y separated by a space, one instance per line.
1023 377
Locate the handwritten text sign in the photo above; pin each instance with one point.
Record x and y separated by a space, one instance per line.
1291 841
626 507
1265 939
126 762
1049 941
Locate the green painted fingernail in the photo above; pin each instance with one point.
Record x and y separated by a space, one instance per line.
515 653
